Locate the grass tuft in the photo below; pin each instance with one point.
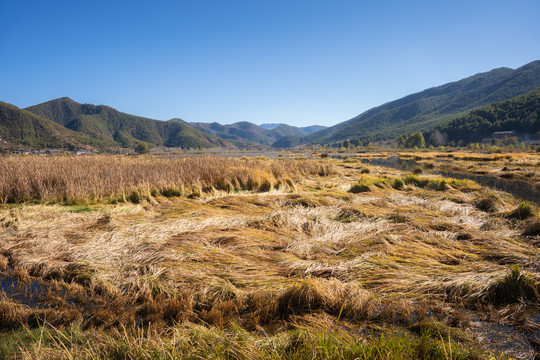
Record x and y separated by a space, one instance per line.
514 287
489 203
523 211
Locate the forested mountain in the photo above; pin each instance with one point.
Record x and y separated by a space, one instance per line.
432 107
285 130
306 130
110 127
270 126
249 132
311 129
240 131
287 142
20 127
520 114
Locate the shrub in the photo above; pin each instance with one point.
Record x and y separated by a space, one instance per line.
142 148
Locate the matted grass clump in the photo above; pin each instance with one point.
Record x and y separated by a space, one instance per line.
523 211
514 287
368 183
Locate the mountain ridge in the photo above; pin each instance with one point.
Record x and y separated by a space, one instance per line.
307 130
426 109
19 127
111 127
249 132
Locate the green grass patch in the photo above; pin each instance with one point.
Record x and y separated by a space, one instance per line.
79 209
191 341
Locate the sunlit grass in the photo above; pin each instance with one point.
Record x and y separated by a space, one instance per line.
91 179
402 270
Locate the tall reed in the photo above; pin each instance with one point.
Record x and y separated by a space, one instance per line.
71 179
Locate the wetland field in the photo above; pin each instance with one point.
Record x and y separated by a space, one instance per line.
366 256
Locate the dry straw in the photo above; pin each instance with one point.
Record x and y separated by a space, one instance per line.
73 180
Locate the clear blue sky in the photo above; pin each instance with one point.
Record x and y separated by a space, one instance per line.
300 62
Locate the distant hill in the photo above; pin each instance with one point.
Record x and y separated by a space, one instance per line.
110 127
306 130
271 126
285 130
240 131
520 114
287 142
432 107
311 129
20 127
248 132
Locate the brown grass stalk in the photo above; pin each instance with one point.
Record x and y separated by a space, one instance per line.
73 180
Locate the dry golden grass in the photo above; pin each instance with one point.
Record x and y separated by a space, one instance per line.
97 178
421 257
511 165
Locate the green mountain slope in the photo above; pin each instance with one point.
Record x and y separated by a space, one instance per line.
432 107
240 131
248 132
20 127
285 130
111 127
311 129
287 142
520 114
306 130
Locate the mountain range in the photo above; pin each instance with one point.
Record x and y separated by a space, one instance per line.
246 132
24 128
305 129
63 122
427 109
110 127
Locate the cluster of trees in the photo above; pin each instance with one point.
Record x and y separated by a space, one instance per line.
520 114
415 140
142 147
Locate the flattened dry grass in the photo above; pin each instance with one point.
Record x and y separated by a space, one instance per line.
323 272
368 183
513 165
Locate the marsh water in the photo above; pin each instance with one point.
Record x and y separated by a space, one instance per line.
520 189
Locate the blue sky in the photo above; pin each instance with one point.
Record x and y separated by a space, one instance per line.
300 62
